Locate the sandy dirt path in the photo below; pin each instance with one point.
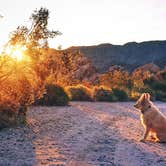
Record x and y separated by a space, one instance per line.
83 134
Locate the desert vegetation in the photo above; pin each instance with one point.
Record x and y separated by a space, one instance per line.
31 73
24 67
132 85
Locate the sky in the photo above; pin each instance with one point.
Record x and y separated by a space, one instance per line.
90 22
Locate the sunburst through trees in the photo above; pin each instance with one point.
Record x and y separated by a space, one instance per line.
23 64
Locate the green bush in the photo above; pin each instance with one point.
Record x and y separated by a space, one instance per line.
10 116
161 96
103 94
158 88
156 84
120 94
159 85
79 93
55 96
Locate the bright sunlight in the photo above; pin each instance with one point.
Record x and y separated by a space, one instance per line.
16 52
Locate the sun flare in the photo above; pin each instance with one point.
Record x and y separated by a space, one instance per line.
16 52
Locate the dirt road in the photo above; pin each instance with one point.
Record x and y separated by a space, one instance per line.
83 134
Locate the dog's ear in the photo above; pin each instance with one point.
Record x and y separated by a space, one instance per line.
147 96
143 96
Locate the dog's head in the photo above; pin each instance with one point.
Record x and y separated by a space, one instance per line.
143 102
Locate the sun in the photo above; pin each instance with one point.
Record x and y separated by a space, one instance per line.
16 52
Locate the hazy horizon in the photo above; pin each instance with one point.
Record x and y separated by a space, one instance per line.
92 22
118 44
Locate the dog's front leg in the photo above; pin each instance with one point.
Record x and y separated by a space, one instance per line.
147 130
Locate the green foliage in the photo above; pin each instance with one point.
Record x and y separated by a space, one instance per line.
10 117
7 118
54 96
79 93
120 94
161 96
103 94
159 85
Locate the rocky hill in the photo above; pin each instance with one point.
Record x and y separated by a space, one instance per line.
130 55
152 68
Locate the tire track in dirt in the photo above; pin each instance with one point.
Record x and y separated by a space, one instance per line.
127 130
102 147
83 134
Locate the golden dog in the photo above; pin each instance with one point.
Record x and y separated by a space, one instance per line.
152 119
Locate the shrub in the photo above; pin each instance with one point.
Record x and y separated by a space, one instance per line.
11 115
160 95
156 84
120 94
103 94
55 96
159 85
79 93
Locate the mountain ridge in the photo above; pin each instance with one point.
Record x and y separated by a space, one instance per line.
129 55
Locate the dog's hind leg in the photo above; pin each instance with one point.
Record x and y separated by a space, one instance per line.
161 138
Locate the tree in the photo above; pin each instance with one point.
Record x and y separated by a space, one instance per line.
115 79
23 82
69 67
37 35
138 77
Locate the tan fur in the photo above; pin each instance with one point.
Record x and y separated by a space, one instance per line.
152 119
